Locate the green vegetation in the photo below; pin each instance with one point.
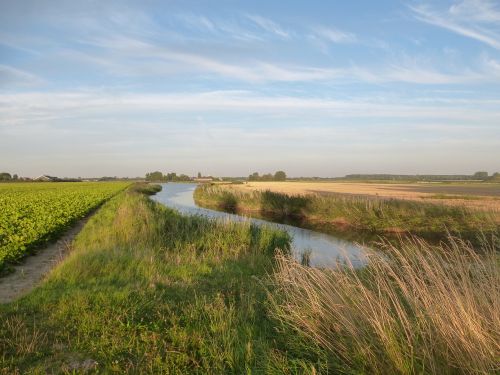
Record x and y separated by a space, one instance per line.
33 213
147 189
495 177
147 290
228 202
481 175
5 176
157 176
416 309
453 196
278 176
373 216
283 205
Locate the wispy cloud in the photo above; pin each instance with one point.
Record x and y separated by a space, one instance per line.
181 61
35 108
198 22
13 77
477 10
334 35
268 25
475 19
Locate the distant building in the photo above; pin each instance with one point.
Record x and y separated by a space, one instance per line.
47 178
203 179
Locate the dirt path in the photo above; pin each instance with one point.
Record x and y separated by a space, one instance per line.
34 267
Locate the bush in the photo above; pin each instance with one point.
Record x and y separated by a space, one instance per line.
228 202
283 204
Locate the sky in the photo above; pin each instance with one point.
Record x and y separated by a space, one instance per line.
228 87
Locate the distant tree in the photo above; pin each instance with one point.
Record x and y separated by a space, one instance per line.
495 177
184 177
280 176
15 177
267 177
172 176
481 175
199 174
254 176
155 176
4 176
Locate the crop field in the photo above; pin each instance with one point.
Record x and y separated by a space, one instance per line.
33 213
366 215
471 195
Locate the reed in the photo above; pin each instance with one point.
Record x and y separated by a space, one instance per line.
415 309
362 215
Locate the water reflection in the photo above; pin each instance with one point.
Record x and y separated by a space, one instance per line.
326 249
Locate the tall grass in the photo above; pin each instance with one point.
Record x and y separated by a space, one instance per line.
283 204
416 309
358 214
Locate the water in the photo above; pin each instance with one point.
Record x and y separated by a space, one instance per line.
326 249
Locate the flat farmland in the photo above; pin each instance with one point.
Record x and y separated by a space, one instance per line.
473 195
31 214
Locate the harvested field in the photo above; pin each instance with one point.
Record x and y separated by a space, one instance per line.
472 195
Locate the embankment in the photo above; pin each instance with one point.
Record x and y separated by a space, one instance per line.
355 216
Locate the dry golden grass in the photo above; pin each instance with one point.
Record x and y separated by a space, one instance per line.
416 309
387 190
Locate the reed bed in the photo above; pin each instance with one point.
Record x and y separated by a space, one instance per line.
417 308
370 216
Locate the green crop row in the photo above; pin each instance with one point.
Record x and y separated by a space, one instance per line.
33 213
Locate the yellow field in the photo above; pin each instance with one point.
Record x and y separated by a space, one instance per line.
475 195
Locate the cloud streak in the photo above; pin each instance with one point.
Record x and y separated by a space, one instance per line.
12 77
268 25
37 108
334 35
468 18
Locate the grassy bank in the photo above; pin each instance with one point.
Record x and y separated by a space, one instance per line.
350 214
146 290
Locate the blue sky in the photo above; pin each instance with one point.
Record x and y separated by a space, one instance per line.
317 88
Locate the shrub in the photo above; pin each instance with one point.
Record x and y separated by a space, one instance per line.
283 204
228 202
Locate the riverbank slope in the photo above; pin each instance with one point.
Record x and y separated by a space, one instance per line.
147 290
358 217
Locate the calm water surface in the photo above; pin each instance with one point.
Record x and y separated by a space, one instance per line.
326 249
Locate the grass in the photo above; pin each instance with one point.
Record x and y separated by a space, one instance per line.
147 188
363 215
408 191
147 290
460 197
417 309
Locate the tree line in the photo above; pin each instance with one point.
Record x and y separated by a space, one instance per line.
278 176
481 175
169 177
4 176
